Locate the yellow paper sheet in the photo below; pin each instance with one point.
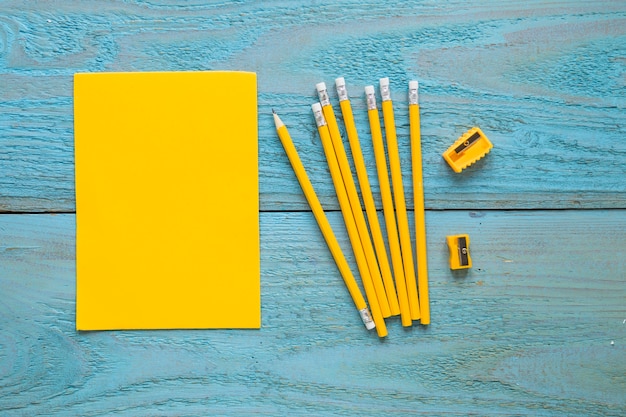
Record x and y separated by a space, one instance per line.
167 200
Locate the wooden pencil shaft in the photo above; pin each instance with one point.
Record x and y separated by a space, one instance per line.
420 221
388 209
349 221
321 218
370 207
400 206
356 208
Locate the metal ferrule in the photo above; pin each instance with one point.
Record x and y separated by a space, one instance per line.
371 101
385 94
324 98
342 92
366 316
319 118
413 96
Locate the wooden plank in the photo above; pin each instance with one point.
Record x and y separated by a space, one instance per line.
536 327
544 81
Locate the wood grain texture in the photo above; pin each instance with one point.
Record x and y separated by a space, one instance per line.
537 327
519 334
544 80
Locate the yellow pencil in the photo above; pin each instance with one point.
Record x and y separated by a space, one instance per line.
388 209
353 198
368 198
398 196
418 193
323 224
353 232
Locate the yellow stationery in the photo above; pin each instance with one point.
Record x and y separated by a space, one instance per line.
354 204
167 200
418 193
368 198
388 208
322 221
353 233
398 197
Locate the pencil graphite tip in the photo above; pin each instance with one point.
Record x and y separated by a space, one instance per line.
279 123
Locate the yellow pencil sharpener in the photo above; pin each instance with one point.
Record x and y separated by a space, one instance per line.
467 149
459 251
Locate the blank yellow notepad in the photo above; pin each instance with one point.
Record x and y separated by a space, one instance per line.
167 200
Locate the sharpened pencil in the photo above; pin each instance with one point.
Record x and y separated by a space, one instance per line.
353 232
353 198
323 223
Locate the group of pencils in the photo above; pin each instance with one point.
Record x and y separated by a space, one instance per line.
405 291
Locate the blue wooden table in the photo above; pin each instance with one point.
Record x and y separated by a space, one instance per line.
536 327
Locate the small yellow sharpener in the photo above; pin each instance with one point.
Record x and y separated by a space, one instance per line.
467 149
459 251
